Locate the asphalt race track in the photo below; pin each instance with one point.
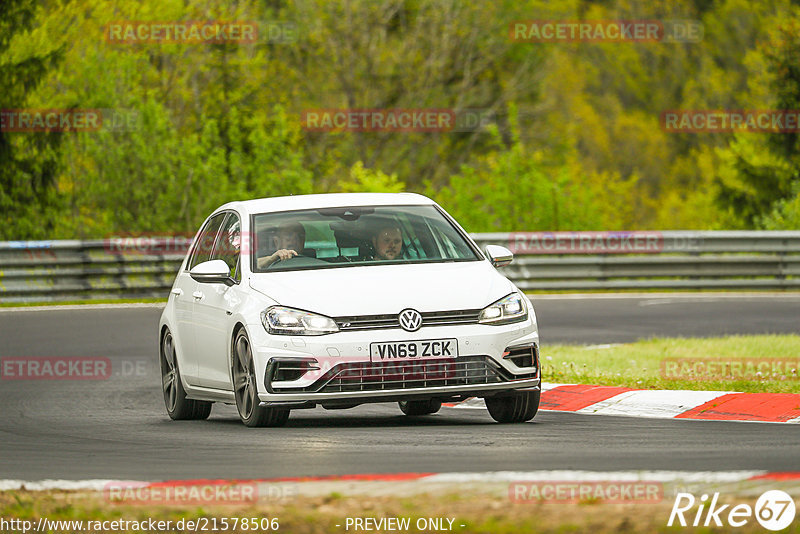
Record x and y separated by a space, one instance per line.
118 429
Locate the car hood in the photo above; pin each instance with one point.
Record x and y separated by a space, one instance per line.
384 289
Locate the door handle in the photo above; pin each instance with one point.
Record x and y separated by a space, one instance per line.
198 295
177 292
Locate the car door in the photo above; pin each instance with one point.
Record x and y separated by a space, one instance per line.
214 308
186 294
184 304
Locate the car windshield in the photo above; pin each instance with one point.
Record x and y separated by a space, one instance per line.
339 237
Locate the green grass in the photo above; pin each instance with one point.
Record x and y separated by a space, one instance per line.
639 365
479 511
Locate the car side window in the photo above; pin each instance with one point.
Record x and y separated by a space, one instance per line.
229 244
205 241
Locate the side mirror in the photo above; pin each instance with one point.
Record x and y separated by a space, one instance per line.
499 256
212 272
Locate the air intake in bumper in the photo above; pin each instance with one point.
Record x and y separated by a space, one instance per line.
431 373
523 355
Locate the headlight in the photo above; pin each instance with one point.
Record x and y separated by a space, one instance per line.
509 309
288 321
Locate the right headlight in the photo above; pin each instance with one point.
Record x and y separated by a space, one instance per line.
509 309
289 321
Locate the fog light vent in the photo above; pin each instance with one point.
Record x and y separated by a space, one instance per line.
522 356
289 369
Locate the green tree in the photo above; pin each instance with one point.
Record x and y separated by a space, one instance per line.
28 160
759 174
520 188
785 214
362 180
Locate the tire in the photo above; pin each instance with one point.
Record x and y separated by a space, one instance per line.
246 390
515 408
178 406
420 407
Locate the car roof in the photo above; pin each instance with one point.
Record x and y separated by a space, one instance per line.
328 200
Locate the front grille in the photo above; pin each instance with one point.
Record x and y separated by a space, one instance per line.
438 318
367 322
368 376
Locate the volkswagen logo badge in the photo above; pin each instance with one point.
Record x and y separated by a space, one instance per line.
410 320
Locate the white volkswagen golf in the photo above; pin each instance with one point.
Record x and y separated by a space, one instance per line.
343 299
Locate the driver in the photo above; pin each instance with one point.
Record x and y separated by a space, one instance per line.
388 242
289 240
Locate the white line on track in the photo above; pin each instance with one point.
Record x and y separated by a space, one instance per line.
576 476
44 485
78 307
486 477
648 403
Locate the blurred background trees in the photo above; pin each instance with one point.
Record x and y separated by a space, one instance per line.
574 141
29 162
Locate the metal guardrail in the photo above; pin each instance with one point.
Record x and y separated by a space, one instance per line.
40 271
46 271
740 260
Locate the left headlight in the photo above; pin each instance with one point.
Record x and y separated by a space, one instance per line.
509 309
288 321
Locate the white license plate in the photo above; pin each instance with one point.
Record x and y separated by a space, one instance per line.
413 350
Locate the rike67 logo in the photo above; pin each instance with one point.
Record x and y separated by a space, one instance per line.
774 510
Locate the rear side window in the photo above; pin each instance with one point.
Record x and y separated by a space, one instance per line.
205 241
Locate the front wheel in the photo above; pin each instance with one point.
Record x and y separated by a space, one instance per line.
245 390
517 407
420 407
178 406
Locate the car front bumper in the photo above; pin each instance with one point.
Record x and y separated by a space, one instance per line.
343 370
289 400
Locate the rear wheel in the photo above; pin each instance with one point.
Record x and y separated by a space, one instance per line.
178 406
420 407
517 407
245 390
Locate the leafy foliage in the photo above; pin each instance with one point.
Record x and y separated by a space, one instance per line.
370 180
574 142
28 161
